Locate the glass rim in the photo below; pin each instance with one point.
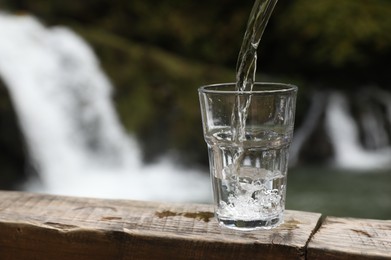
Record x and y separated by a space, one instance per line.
218 88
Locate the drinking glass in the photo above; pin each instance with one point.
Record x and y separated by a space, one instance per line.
248 134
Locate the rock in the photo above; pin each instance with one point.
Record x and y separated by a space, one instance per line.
13 159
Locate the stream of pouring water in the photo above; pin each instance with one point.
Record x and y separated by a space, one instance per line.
249 194
246 69
247 63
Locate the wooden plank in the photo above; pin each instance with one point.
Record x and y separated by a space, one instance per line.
347 238
34 226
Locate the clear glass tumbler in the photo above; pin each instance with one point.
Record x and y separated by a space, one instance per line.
248 134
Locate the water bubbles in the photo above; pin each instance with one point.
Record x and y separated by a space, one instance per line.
249 186
271 200
253 198
258 182
267 155
256 195
280 118
227 173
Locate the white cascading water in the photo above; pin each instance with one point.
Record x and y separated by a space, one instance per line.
307 127
344 136
374 121
63 102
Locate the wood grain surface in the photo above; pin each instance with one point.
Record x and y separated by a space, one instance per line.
37 226
348 238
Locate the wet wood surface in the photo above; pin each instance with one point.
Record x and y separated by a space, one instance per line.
35 226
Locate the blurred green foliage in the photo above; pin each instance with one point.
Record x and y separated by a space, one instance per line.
204 30
338 37
156 92
158 52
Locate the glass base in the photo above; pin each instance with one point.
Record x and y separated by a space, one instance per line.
248 225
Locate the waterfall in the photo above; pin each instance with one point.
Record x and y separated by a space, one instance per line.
318 100
344 135
374 121
74 138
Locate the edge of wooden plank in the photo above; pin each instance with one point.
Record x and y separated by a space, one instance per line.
81 227
343 238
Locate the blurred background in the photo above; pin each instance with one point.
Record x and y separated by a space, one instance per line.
99 98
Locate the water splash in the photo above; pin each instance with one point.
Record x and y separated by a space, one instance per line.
74 138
